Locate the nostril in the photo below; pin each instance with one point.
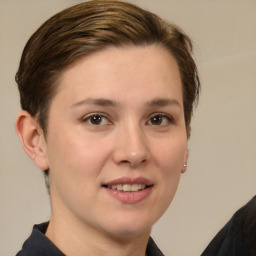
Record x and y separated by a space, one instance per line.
124 161
133 162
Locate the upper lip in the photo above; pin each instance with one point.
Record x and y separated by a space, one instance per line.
128 180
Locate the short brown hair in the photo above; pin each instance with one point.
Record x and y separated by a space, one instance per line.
89 27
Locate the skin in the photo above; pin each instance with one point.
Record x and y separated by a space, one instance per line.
140 132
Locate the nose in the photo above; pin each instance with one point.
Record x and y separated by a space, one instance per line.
131 147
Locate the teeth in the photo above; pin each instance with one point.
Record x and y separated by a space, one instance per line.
128 187
135 187
119 187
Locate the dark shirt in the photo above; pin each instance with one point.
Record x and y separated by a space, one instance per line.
39 245
238 236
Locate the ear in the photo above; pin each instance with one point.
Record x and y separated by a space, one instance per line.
32 139
184 167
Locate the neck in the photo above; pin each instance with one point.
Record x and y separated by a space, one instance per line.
77 239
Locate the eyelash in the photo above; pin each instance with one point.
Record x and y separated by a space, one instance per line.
169 119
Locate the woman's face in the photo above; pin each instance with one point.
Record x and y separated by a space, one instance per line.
116 141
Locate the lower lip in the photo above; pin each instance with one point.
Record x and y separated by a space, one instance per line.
129 197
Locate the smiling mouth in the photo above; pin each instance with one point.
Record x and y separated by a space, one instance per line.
127 187
129 190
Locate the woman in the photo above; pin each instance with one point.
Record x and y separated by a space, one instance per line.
107 94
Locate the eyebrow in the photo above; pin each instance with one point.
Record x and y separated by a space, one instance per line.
100 102
163 102
157 102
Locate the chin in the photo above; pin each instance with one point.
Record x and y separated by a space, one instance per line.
130 226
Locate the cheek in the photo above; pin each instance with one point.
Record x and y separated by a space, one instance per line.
170 160
170 155
76 161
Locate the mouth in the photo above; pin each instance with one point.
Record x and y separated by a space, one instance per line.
128 187
129 190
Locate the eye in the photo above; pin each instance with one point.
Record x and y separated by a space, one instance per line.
160 119
96 119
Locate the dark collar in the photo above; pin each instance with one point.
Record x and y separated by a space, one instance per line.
38 244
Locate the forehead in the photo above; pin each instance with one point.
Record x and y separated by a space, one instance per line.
127 71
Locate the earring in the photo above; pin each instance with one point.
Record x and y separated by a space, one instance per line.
185 165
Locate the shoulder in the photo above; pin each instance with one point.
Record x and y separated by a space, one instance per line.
234 239
38 244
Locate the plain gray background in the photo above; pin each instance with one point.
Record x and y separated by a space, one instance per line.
221 173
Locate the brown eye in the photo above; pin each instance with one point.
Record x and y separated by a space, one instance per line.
156 120
160 120
96 119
